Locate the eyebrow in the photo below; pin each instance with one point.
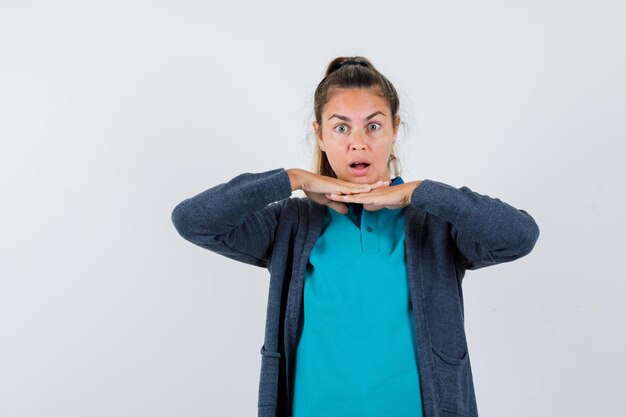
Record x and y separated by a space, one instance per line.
347 119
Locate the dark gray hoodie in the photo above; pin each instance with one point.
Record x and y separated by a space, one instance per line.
253 219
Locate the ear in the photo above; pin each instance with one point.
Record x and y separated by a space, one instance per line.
396 125
318 133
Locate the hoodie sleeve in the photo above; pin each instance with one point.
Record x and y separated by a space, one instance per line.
486 230
238 218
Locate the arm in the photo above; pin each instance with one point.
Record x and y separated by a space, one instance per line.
487 231
236 219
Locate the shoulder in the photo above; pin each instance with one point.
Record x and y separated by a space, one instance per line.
423 219
306 204
304 211
295 205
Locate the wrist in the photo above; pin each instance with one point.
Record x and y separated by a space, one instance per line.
411 190
295 177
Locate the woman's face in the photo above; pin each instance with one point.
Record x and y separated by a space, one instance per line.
357 128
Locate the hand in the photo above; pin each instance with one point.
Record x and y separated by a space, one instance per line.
318 187
392 198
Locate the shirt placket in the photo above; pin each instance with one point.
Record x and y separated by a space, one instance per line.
369 232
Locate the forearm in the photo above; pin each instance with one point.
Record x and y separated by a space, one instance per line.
494 224
224 206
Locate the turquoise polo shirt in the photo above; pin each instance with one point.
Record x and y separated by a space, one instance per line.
356 353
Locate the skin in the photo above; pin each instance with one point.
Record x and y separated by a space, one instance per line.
360 137
356 124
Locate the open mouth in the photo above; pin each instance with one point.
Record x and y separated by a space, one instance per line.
359 165
359 168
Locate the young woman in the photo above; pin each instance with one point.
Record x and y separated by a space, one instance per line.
365 308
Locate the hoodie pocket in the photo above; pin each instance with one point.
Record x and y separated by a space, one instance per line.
453 384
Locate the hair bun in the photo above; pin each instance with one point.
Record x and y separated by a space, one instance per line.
349 62
352 62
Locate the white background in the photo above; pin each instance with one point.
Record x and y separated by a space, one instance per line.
113 112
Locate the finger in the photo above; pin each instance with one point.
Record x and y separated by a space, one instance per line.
352 189
338 207
363 198
380 184
357 187
325 184
372 207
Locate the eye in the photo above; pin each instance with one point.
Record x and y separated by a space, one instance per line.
341 126
375 124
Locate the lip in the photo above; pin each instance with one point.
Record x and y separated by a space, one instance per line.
360 172
360 160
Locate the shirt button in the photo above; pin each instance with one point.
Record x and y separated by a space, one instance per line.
369 228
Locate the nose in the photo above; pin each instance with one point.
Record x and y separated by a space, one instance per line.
358 142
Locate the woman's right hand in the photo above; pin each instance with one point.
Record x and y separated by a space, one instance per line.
316 187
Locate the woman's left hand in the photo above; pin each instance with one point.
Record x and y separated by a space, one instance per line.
389 197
